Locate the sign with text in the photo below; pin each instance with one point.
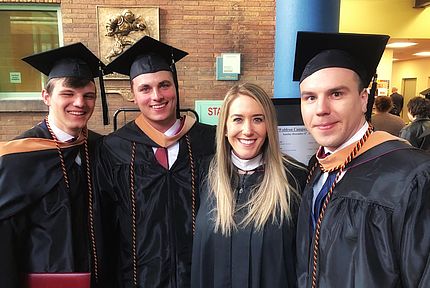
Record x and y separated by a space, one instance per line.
231 63
221 75
15 77
294 138
208 111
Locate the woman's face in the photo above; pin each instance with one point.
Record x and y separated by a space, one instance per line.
246 127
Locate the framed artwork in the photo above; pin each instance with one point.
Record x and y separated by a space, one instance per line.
120 27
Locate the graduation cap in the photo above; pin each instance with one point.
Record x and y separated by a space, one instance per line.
360 53
148 55
73 60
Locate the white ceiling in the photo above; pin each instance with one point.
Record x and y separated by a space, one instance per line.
407 52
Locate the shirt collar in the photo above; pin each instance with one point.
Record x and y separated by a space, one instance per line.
357 136
60 134
247 165
174 129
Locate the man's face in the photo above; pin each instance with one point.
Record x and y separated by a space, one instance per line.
332 107
155 95
71 108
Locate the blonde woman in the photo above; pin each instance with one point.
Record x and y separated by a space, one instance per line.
245 228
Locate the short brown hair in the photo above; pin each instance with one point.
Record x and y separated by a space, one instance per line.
70 82
383 103
419 107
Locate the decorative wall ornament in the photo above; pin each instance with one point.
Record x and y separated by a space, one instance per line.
120 27
123 92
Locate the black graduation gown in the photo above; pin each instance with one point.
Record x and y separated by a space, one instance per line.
247 258
43 225
163 208
376 230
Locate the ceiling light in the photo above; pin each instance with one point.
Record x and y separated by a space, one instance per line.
400 44
425 54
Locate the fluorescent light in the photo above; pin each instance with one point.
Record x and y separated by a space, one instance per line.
401 44
425 54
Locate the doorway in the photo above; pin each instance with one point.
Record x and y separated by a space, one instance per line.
409 91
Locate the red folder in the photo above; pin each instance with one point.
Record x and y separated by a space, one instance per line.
58 280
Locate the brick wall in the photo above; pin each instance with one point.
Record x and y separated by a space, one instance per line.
204 29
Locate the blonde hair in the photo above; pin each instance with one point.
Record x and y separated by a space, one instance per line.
272 197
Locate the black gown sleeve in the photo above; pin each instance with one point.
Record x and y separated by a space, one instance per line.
414 234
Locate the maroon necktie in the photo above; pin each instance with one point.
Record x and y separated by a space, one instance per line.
161 156
322 154
161 153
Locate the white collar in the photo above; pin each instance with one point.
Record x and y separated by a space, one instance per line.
172 131
356 137
248 164
60 134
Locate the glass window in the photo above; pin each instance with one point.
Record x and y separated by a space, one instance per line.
26 29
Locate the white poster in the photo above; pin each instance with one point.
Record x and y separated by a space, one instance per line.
297 142
231 63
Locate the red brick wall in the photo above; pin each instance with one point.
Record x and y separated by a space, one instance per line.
204 29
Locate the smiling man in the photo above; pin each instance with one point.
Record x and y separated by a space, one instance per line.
147 177
365 212
45 181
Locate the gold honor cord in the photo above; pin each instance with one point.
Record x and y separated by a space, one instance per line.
341 168
133 201
90 190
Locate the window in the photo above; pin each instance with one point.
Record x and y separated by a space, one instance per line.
26 29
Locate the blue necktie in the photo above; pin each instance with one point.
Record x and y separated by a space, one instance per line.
321 196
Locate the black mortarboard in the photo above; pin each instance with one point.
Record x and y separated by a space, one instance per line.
73 60
360 53
148 56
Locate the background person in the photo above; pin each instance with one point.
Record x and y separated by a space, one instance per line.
367 225
382 120
245 230
146 175
418 131
45 182
397 102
